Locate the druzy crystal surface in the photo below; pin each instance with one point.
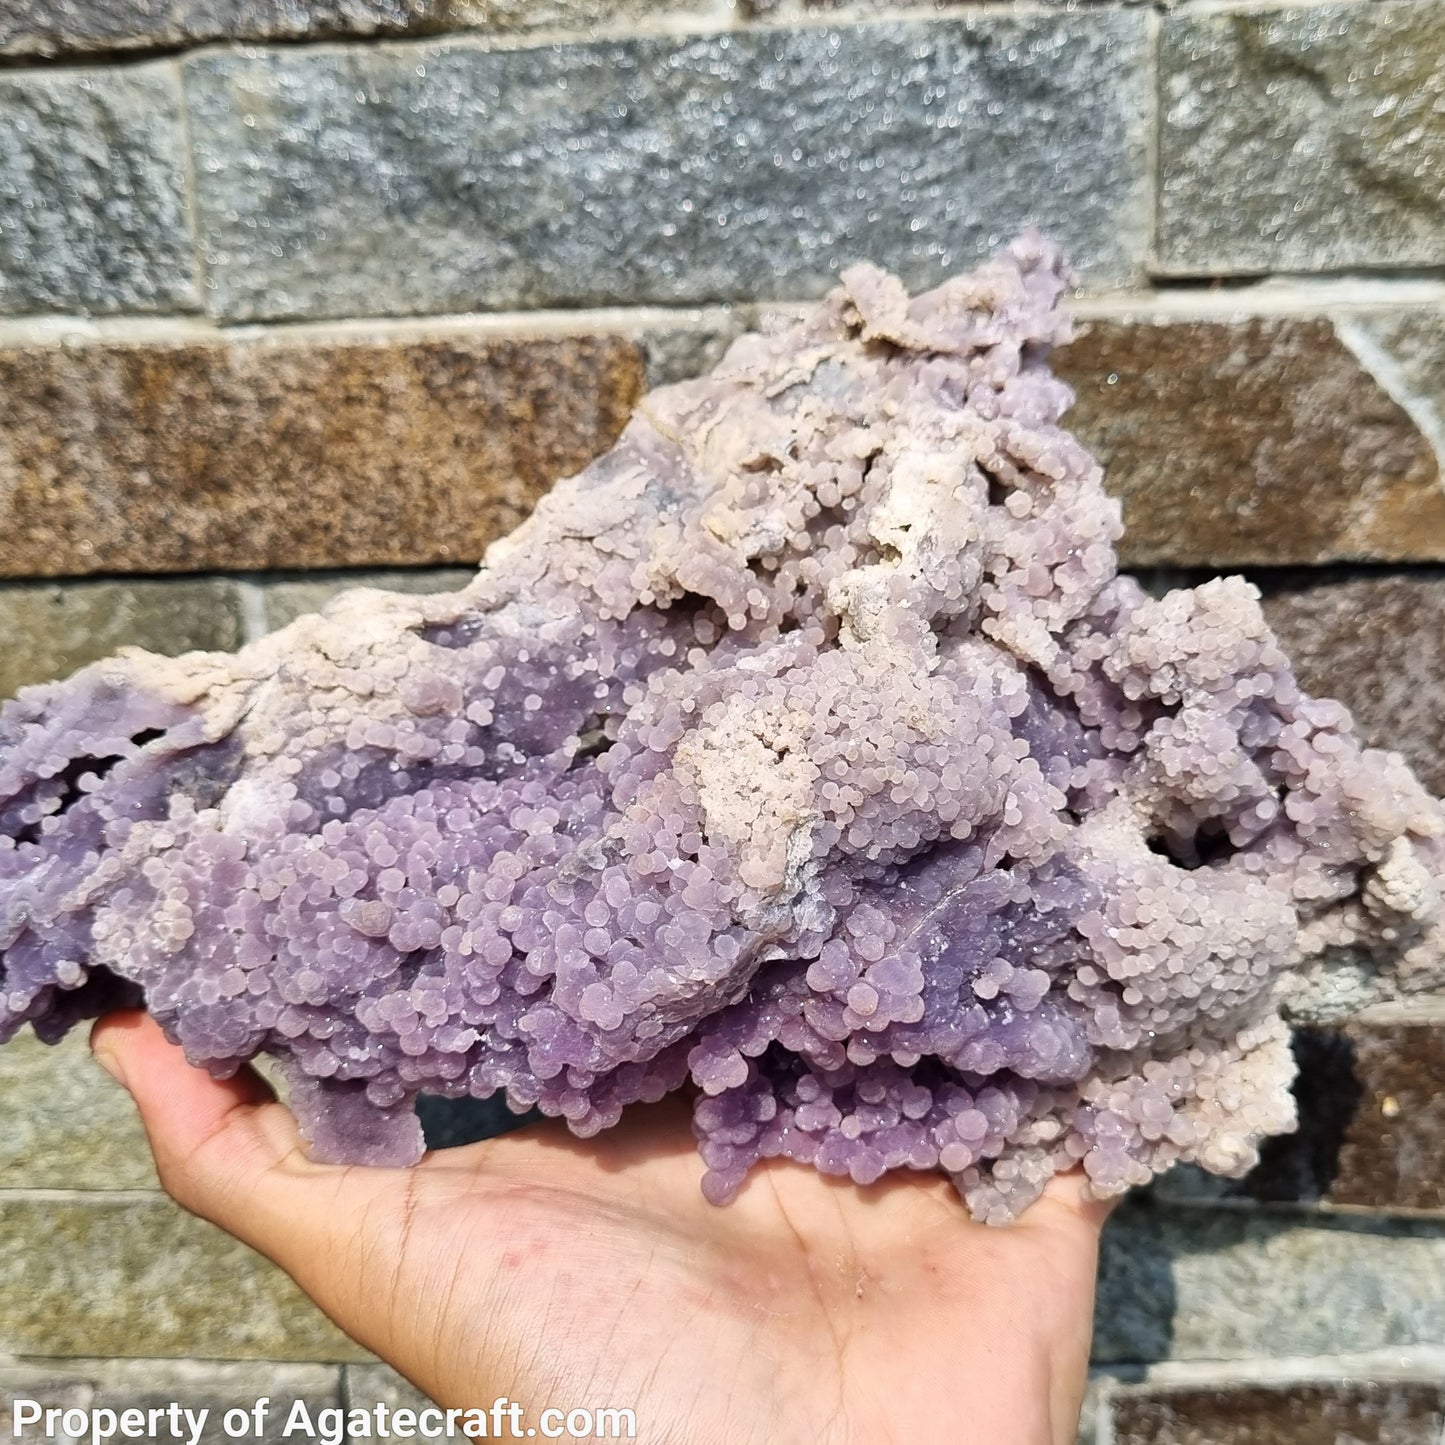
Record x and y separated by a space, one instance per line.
807 751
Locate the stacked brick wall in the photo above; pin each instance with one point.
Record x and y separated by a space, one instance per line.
297 294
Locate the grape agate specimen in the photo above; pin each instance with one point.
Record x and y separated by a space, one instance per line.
806 751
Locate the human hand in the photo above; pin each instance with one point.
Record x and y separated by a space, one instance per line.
560 1272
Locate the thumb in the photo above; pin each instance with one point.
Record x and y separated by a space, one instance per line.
225 1149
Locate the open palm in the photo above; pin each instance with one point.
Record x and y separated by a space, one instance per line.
559 1272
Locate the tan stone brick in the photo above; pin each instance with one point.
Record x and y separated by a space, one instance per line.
67 1125
269 452
215 1386
94 1277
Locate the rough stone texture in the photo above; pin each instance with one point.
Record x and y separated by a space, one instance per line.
68 1125
259 452
1377 644
1411 346
514 15
1194 1284
57 27
1257 441
369 1385
93 215
679 169
34 28
1395 1412
785 11
675 353
1301 140
285 601
136 1276
47 631
193 1384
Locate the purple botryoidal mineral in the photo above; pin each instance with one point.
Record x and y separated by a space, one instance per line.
806 750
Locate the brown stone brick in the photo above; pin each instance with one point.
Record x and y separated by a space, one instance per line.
1310 1413
1377 644
278 452
1372 1120
1261 441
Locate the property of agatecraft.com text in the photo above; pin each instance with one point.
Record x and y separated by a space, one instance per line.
307 1424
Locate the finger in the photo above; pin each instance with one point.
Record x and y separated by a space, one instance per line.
1070 1198
226 1150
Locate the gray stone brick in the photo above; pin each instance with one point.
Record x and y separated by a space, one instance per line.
67 1126
61 27
55 27
678 353
1191 1284
1305 139
87 1276
47 630
367 1386
93 215
451 177
211 1385
1412 344
285 601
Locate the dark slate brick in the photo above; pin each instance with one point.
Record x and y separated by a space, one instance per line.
451 177
1331 1412
1378 644
286 599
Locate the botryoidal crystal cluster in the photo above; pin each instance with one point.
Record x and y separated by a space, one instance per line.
806 751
